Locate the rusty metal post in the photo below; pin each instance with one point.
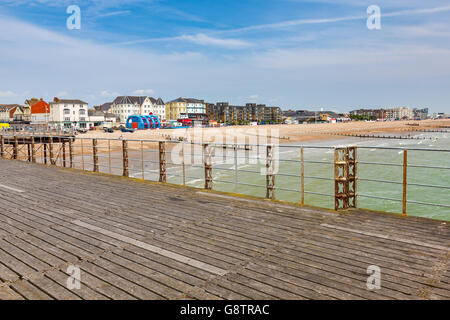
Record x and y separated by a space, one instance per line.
52 161
126 172
207 163
109 156
270 177
302 175
142 160
405 179
162 162
33 151
64 154
70 153
2 147
28 152
95 154
182 163
16 148
45 152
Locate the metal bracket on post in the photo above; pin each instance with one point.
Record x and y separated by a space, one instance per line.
162 162
208 166
125 158
270 177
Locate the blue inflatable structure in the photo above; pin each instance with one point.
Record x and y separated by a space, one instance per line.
144 122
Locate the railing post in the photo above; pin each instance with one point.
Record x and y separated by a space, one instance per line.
162 161
82 154
142 160
95 154
270 177
302 175
236 172
52 162
70 153
33 151
64 153
126 172
45 152
405 179
16 148
184 167
2 147
207 163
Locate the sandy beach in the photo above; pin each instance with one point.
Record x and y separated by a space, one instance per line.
285 133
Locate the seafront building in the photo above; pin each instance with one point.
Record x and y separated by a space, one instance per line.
251 112
186 108
125 106
400 113
68 113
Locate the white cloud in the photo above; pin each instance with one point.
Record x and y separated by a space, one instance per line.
144 92
109 94
7 94
204 40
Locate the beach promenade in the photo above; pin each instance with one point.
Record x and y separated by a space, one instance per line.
135 239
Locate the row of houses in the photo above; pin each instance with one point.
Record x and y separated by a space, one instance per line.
60 113
401 113
67 113
189 108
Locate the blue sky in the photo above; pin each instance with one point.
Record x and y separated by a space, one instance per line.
291 53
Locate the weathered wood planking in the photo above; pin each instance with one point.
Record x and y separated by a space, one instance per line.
142 240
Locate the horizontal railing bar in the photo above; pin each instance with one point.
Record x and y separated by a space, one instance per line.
429 204
375 197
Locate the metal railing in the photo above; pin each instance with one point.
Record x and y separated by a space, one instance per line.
154 160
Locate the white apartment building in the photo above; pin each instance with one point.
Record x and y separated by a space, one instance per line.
194 106
68 113
401 113
125 106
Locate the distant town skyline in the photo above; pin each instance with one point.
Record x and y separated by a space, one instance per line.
293 54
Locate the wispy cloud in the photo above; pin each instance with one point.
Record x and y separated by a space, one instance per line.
7 94
200 39
114 13
144 91
205 40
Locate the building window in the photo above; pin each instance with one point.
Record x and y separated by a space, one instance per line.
66 111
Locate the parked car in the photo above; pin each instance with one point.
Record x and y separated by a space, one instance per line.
82 130
123 129
108 130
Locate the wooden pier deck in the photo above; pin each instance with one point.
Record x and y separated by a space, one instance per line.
134 239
